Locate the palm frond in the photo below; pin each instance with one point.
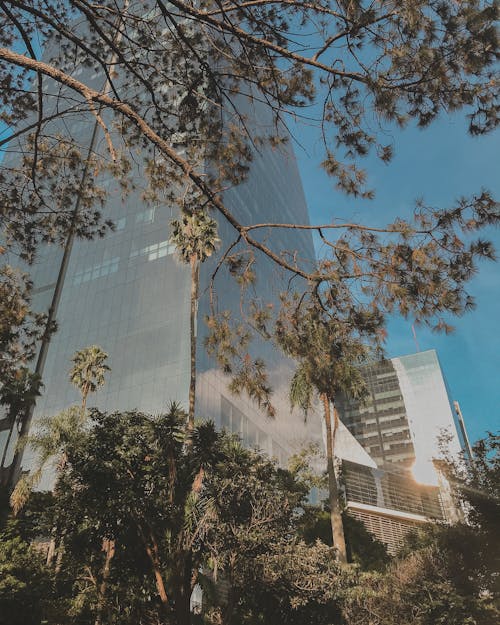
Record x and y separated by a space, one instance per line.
301 390
22 491
89 368
194 235
49 440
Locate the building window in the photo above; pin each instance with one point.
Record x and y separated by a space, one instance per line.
154 251
145 217
233 420
105 268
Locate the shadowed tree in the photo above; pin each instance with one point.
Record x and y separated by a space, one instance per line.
195 238
139 489
444 574
18 394
25 584
134 482
475 545
47 441
20 329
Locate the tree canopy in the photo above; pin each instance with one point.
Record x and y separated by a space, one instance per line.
170 86
148 508
146 518
124 65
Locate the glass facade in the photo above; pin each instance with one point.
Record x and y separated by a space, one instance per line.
129 294
380 423
430 413
407 413
390 502
391 490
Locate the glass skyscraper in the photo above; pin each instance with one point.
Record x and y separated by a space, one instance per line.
129 294
402 424
407 414
380 424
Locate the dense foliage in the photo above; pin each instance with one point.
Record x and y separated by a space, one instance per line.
147 510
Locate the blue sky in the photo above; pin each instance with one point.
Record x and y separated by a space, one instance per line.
439 164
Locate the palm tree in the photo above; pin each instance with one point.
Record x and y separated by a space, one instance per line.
88 371
48 441
54 433
328 348
195 238
301 395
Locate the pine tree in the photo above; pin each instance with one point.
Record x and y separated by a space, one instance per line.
365 65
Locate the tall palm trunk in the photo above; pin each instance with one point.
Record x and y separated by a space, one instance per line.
54 547
333 489
12 421
51 551
85 393
195 282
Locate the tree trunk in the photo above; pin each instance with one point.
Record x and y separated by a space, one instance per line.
195 279
9 436
151 546
60 554
232 599
333 490
85 393
152 552
51 552
198 481
182 591
54 547
109 548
